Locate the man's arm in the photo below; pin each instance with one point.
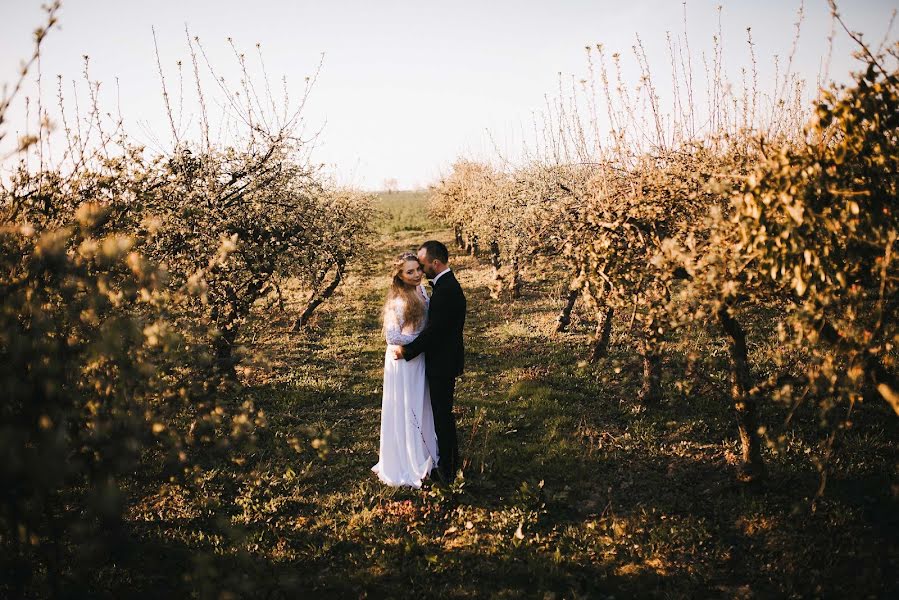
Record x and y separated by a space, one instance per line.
438 325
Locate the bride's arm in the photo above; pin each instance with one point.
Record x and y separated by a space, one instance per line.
393 326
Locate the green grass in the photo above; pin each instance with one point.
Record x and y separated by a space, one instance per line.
403 211
567 493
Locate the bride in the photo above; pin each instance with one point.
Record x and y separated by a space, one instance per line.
408 448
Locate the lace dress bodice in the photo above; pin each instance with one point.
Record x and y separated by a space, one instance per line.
395 330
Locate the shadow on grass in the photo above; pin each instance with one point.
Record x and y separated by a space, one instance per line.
372 567
566 490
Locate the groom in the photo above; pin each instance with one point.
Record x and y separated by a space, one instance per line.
441 340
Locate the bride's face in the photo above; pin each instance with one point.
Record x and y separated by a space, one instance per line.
411 272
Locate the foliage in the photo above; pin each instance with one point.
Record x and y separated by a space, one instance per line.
745 217
127 278
86 365
821 221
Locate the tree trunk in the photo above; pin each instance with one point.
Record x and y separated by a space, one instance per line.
316 300
752 466
515 280
564 318
474 249
223 346
574 290
603 315
651 390
602 335
497 287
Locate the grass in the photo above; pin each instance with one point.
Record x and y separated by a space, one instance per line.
402 211
567 492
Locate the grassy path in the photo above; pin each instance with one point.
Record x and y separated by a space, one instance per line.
566 492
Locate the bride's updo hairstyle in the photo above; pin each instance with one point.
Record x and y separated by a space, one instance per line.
404 295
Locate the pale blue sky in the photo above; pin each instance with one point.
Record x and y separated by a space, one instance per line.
407 86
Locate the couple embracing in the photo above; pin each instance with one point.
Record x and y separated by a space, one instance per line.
424 356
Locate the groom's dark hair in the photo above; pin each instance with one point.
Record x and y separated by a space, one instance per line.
435 251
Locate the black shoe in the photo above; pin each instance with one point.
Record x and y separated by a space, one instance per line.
436 476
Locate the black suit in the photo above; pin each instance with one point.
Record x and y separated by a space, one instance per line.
441 341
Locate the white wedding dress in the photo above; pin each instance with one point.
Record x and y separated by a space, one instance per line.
408 449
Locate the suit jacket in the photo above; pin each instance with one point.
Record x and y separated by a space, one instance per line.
441 339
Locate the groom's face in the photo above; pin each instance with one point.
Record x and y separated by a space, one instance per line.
427 264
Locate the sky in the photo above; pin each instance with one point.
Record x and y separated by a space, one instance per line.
405 87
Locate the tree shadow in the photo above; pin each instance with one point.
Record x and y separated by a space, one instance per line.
611 502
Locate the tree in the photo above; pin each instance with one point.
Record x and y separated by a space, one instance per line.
391 185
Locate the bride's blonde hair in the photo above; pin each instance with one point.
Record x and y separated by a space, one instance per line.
412 302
